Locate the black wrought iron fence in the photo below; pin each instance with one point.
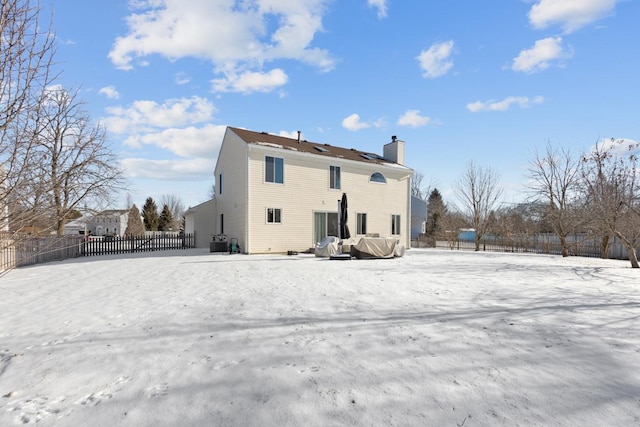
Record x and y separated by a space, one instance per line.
579 245
119 245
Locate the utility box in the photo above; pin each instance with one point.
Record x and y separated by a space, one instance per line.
218 247
219 244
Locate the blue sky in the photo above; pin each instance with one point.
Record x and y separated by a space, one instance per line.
457 80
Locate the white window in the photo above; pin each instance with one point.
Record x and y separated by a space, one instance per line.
377 177
274 169
274 215
334 177
395 225
361 223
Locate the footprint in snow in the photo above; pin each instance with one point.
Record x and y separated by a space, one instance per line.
158 390
95 398
34 409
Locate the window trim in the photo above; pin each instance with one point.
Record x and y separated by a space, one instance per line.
361 223
221 184
396 224
274 215
379 178
335 177
277 161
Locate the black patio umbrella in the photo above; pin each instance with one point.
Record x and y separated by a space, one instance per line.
344 228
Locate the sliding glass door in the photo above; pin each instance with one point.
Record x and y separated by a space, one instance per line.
324 224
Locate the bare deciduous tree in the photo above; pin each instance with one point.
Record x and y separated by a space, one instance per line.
611 181
416 183
451 223
176 207
418 188
479 191
26 54
75 163
554 180
211 194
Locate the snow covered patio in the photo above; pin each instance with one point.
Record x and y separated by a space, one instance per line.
435 338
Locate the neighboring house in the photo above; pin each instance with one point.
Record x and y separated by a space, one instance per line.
112 222
75 227
277 194
200 221
418 217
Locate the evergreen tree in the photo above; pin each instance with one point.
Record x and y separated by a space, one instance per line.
150 215
435 213
165 222
135 227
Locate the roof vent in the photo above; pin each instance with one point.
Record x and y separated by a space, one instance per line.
394 138
298 137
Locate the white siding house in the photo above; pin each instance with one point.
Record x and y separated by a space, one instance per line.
112 222
418 217
200 221
276 194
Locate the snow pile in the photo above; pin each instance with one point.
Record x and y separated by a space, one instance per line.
432 338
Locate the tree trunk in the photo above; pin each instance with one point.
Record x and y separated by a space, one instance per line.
604 247
563 245
633 257
631 250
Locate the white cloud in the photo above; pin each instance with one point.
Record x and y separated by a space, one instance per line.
353 123
570 14
236 37
182 78
110 92
55 88
293 134
414 119
144 116
618 146
539 57
248 82
435 62
381 5
505 104
190 141
171 126
171 170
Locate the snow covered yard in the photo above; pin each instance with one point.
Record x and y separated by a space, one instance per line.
435 338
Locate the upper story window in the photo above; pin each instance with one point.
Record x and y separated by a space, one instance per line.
220 184
377 177
274 169
334 177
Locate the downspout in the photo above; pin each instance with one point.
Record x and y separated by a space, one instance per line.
407 221
247 211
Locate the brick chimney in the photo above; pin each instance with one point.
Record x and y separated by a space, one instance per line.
394 150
